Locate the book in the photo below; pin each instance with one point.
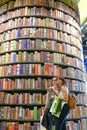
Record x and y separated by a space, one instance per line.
35 113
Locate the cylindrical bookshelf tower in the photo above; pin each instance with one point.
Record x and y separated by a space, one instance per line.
39 39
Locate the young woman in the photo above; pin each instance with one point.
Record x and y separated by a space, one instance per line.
58 89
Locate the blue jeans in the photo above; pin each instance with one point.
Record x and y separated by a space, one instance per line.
59 123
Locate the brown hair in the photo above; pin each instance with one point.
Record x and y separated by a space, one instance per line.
63 80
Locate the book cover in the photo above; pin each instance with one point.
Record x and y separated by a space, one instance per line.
35 113
51 69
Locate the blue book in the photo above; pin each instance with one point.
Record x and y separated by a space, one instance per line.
25 43
21 69
18 32
14 57
58 24
28 43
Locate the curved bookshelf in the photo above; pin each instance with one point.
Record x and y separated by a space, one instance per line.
44 27
43 38
40 16
39 50
49 29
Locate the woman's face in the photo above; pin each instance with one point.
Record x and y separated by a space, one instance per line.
60 82
54 81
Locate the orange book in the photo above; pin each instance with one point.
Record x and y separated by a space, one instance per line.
24 21
59 46
6 84
40 98
28 114
36 69
46 84
39 2
10 126
58 71
77 112
46 70
31 2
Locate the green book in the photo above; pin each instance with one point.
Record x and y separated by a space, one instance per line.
5 112
19 56
14 44
47 22
35 113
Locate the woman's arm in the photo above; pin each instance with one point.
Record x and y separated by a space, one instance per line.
64 95
47 98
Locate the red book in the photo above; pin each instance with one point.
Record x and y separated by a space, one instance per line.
27 114
17 126
4 70
51 69
14 69
50 33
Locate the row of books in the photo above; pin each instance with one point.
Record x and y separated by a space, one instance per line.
40 33
45 57
22 98
38 69
29 98
39 44
26 113
67 9
35 21
82 99
78 112
25 83
44 12
48 2
19 126
57 4
34 114
74 85
20 113
79 125
39 83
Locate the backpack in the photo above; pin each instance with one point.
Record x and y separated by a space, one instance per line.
71 101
